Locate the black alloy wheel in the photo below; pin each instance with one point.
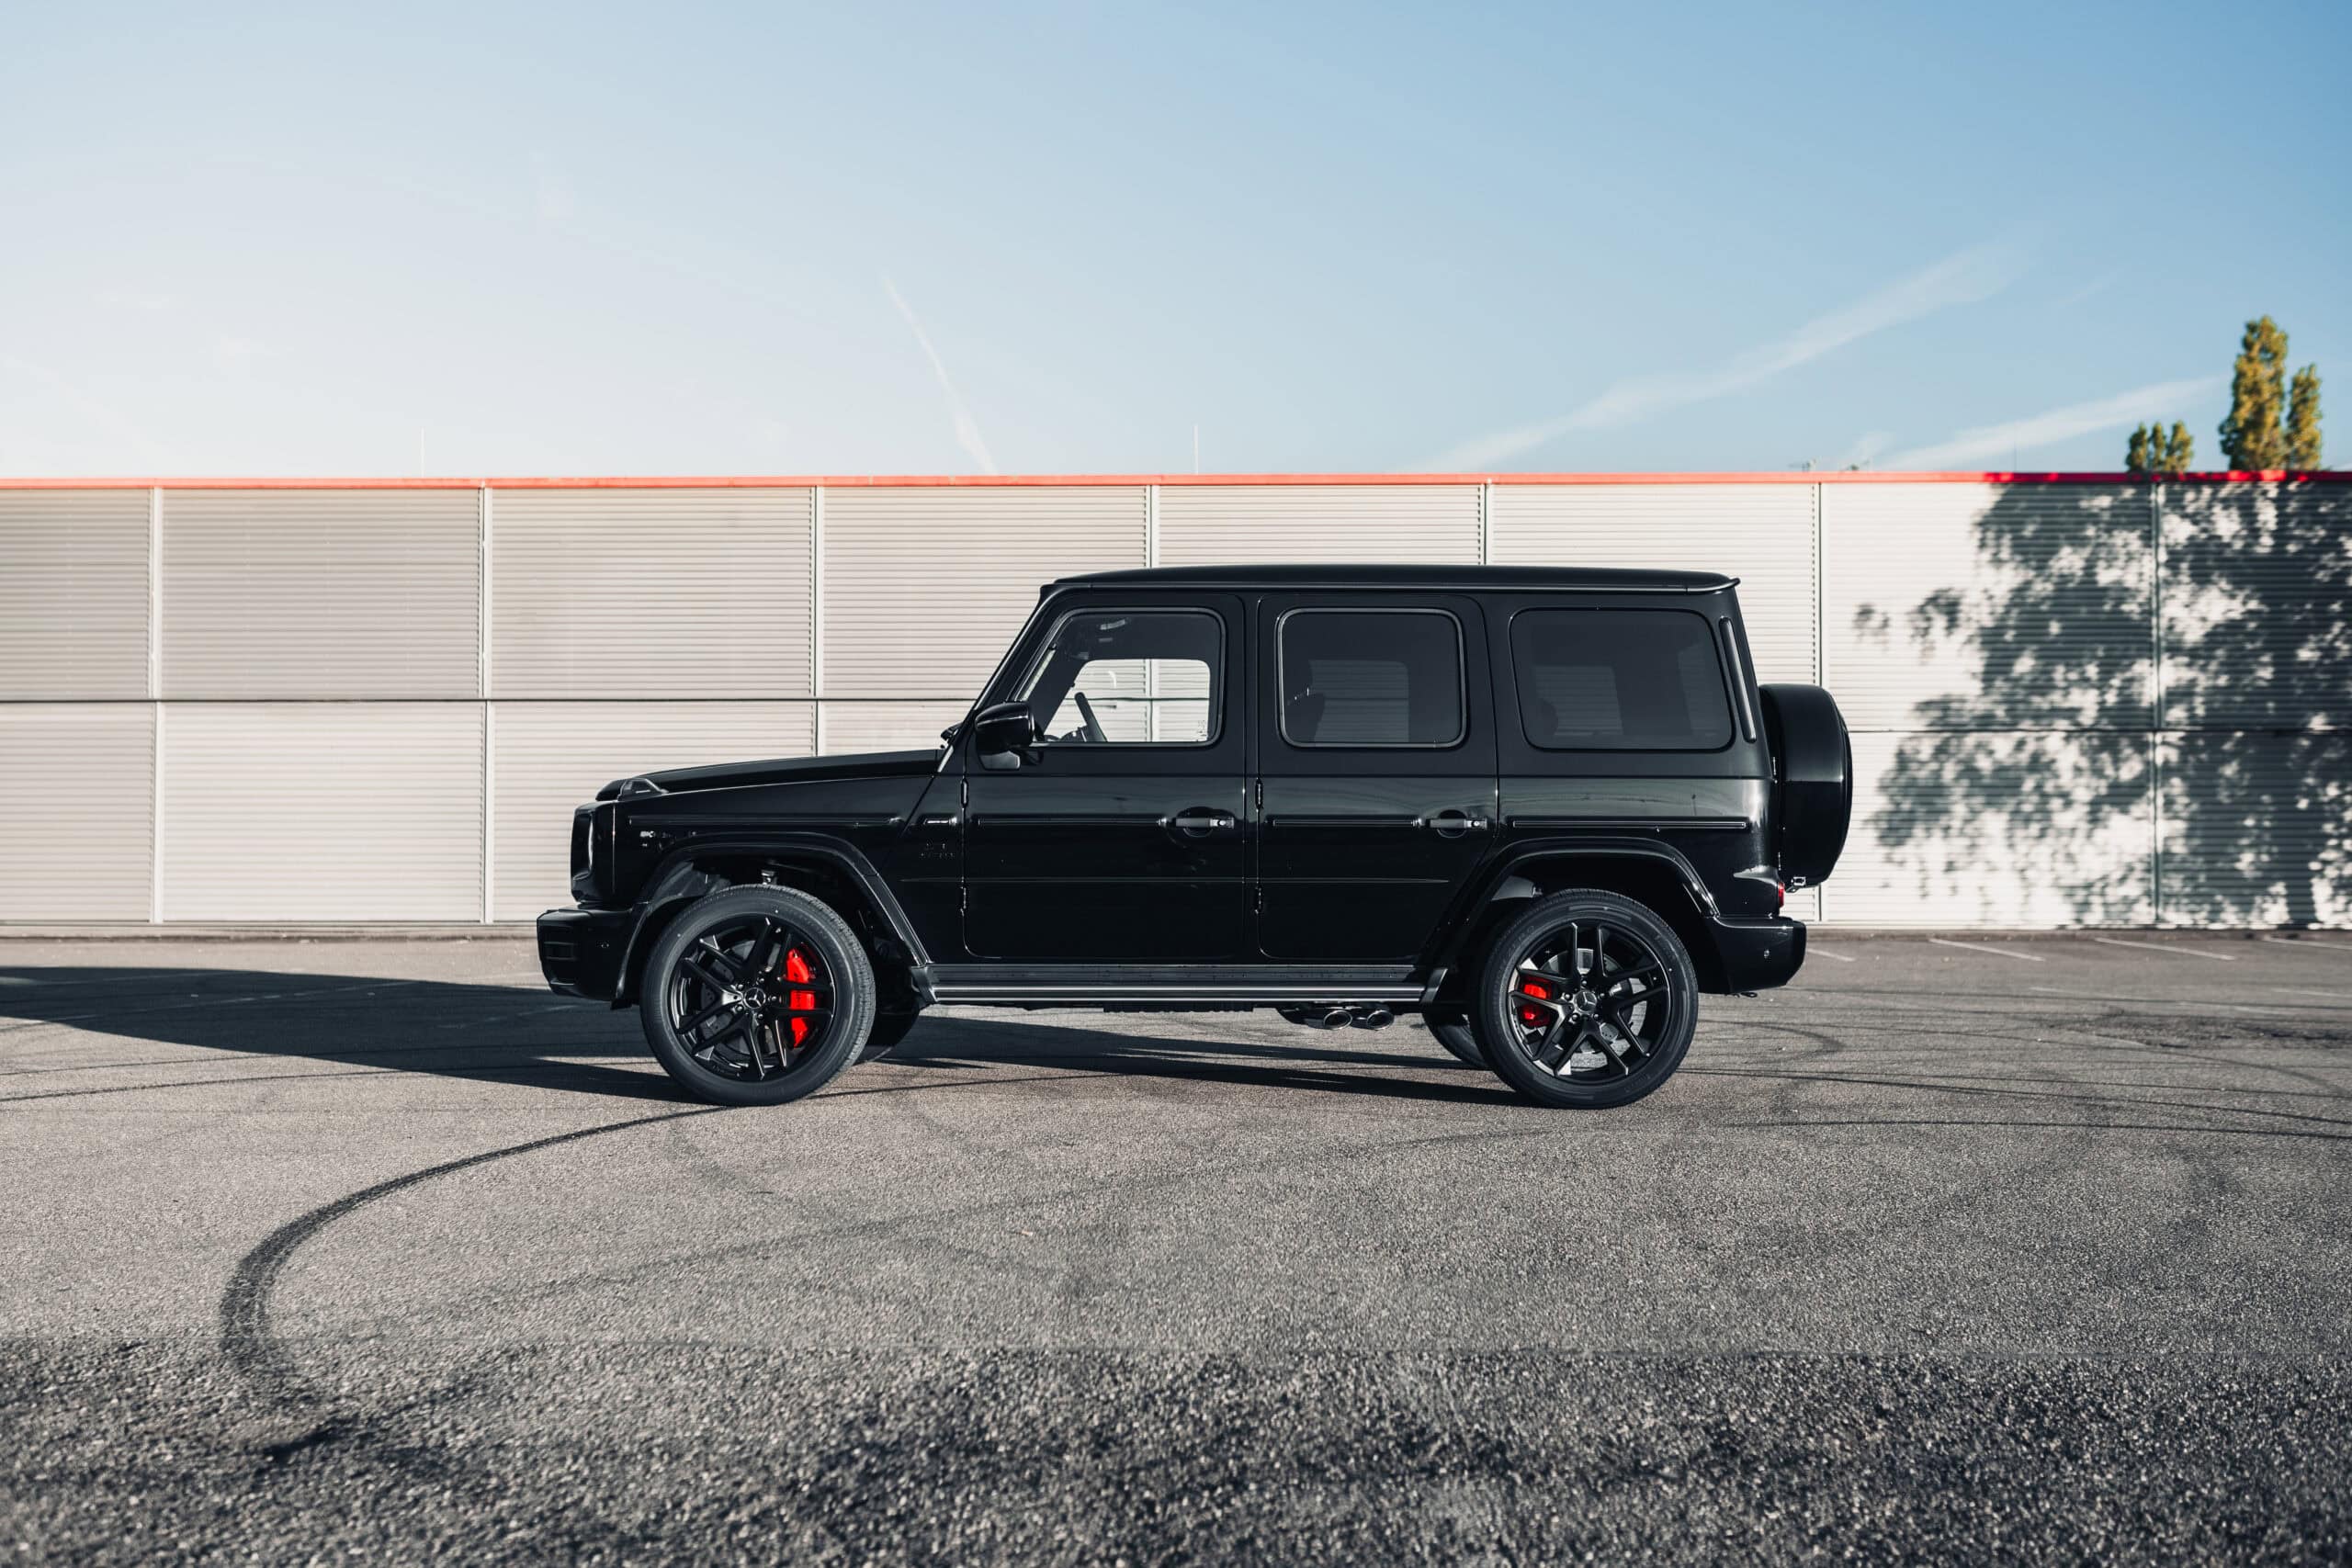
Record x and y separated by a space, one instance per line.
1452 1030
757 996
889 1029
1587 1000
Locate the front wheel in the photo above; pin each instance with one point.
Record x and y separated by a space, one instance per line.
756 996
890 1028
1587 999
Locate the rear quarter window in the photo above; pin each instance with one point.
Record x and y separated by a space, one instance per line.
1619 681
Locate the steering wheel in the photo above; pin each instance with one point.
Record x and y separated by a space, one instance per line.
1086 711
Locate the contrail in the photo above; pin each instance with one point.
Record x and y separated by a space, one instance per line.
1962 279
967 431
2055 425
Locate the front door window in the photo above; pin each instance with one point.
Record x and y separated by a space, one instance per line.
1128 678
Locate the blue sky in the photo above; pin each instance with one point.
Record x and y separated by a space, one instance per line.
1057 238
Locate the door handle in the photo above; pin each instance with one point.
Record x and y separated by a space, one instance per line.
1196 822
1451 824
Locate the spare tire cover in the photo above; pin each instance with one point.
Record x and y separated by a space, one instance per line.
1813 780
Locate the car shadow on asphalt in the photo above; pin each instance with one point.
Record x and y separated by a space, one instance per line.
352 1026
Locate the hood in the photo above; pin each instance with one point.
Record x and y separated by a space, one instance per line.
787 769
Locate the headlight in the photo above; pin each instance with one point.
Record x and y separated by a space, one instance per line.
592 852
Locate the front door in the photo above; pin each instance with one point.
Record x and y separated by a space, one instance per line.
1118 839
1377 755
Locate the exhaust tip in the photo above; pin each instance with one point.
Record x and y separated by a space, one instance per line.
1373 1018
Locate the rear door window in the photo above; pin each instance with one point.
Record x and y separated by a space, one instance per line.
1371 678
1619 681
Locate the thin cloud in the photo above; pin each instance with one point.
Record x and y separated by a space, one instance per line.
2160 401
2092 290
64 393
551 195
1962 279
1864 450
968 431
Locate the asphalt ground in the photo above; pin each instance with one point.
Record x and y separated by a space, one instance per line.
2033 1249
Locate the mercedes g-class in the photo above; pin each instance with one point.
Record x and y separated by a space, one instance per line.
1544 808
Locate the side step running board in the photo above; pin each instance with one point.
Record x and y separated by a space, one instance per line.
1170 985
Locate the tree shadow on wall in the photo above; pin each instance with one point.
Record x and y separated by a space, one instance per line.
2099 707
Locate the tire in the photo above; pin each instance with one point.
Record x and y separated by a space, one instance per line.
1812 773
1454 1032
889 1029
756 996
1540 1009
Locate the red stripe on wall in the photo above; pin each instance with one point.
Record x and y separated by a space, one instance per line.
1042 481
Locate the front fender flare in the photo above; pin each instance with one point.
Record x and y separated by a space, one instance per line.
676 879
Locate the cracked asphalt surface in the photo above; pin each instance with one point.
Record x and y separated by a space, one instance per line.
1966 1251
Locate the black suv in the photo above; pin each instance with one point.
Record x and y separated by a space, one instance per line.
1544 808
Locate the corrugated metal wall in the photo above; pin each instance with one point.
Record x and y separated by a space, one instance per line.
2073 704
1253 525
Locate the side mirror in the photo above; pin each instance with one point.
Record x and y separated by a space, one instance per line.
1002 732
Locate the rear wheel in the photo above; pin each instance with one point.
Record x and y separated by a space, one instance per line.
756 996
1589 1000
1454 1032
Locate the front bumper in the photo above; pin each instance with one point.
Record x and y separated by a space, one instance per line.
1756 956
580 951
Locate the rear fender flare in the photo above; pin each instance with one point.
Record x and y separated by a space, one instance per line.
1522 860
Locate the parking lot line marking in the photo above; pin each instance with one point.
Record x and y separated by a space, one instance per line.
1824 953
2160 947
2307 941
1978 947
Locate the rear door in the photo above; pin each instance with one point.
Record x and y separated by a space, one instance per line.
1375 794
1119 839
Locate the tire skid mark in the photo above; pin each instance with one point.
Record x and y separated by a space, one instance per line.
246 1342
2087 1101
890 1229
2008 1123
214 1057
601 1076
241 998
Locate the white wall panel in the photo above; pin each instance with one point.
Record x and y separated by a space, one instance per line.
1954 829
924 587
651 593
72 593
887 727
551 756
1254 525
1760 534
1984 606
2257 829
322 811
76 840
320 593
2257 605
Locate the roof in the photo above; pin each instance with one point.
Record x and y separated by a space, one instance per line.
1539 579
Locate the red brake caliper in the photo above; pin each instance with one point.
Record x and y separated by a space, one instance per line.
1534 1017
796 969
